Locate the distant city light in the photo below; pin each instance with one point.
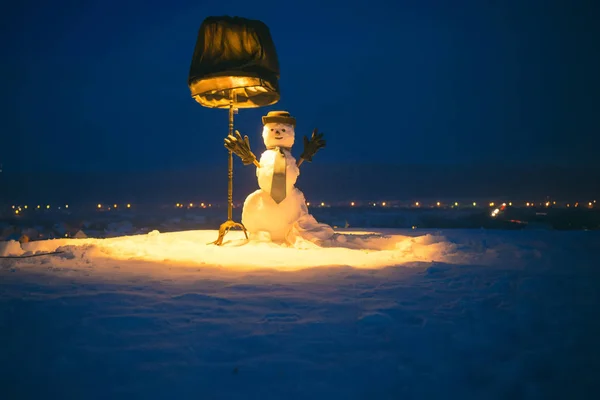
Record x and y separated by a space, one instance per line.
114 205
383 204
576 204
547 204
66 206
25 206
417 204
128 205
38 206
202 205
492 204
308 203
510 204
352 204
13 207
590 203
177 205
474 204
99 205
495 212
48 206
322 204
191 204
527 204
456 203
568 205
438 203
553 203
16 211
503 204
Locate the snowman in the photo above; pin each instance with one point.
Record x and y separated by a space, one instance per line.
277 211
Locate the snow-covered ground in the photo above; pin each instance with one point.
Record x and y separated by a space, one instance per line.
378 314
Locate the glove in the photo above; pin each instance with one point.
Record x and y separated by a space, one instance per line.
240 147
313 145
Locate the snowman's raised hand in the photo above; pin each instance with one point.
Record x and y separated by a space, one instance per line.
312 145
240 147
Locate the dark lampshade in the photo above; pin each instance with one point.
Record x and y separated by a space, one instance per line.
234 54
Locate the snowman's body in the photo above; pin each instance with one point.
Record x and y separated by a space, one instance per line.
289 220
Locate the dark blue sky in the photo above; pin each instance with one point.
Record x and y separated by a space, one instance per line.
102 86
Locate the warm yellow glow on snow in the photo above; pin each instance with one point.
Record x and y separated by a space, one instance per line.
359 249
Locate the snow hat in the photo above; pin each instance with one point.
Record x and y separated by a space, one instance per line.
282 117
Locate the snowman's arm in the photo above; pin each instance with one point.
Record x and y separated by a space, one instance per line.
311 146
241 147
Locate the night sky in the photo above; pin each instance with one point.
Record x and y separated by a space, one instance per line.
101 85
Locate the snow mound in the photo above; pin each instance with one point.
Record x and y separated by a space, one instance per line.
358 249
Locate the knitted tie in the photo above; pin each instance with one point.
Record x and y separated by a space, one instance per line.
278 184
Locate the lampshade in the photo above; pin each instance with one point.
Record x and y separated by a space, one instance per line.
234 55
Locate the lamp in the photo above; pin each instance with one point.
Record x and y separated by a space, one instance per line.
234 65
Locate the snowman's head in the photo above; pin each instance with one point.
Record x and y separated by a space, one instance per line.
277 134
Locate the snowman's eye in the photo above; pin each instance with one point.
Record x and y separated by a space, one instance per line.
271 129
283 129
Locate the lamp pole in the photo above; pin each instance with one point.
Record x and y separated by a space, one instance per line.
230 223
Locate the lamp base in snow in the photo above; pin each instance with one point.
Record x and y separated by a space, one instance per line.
225 227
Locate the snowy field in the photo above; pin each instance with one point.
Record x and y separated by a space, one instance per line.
375 314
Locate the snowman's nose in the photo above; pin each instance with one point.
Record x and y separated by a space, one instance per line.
276 131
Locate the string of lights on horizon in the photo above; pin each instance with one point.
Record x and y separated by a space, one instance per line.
20 209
